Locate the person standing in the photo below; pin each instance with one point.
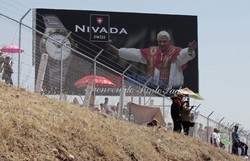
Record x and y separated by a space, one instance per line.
1 65
106 106
7 71
185 117
176 112
235 140
193 118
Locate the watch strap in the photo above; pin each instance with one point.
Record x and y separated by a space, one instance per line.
54 73
51 21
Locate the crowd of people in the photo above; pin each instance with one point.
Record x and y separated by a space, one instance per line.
108 109
6 70
182 121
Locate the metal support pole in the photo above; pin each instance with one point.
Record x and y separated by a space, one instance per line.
144 93
231 125
121 103
163 110
197 107
230 137
144 96
61 71
95 74
221 120
241 129
157 89
208 125
247 139
151 97
19 51
148 100
188 99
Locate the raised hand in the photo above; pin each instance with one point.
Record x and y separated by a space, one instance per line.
192 46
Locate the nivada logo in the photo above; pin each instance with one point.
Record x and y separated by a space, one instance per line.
100 30
99 20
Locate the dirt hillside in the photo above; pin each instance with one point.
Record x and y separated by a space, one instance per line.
34 127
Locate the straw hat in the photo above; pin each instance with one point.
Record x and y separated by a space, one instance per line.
177 96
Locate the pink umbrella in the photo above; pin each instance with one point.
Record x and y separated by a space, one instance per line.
91 80
11 49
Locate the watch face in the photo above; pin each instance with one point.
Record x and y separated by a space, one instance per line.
54 49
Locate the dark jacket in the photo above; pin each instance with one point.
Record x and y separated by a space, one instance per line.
175 110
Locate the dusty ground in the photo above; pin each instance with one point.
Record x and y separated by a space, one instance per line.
34 127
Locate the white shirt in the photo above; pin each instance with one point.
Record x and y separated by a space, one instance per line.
216 138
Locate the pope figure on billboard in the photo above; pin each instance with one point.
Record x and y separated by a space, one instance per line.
165 62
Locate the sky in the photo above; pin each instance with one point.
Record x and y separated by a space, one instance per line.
223 43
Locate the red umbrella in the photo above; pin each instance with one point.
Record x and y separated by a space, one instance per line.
11 49
91 80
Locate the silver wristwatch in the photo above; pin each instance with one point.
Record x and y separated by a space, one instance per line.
51 43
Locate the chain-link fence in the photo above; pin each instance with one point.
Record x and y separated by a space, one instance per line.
57 78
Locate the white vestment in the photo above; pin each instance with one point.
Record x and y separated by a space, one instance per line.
176 78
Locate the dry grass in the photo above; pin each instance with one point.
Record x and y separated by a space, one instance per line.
37 128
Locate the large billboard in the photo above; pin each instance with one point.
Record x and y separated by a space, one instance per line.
161 49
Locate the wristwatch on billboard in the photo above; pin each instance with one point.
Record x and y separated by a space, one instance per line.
52 43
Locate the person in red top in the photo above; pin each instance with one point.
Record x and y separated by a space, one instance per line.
165 62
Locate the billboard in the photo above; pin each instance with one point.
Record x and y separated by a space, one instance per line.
160 48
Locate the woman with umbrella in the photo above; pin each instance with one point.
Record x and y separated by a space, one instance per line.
7 66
